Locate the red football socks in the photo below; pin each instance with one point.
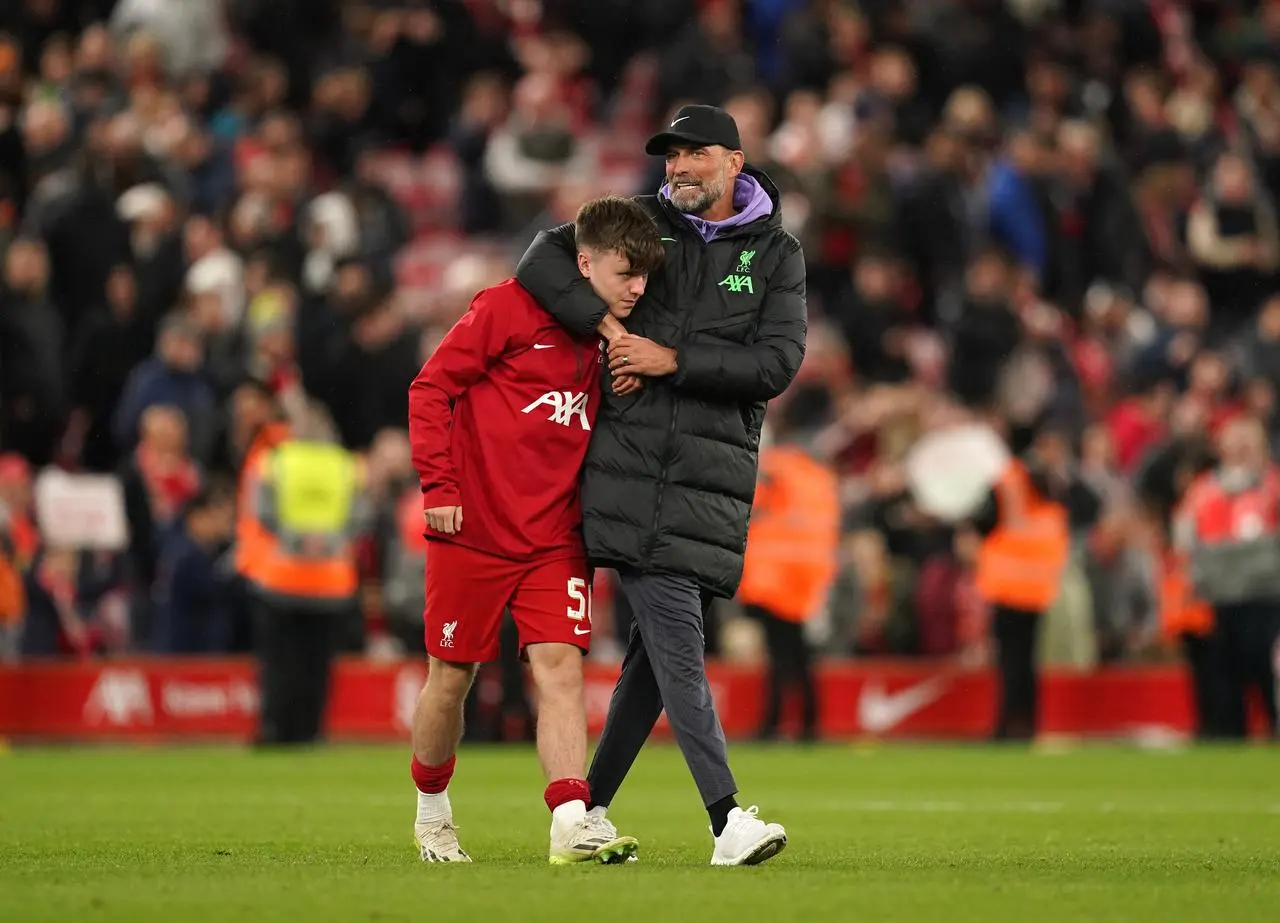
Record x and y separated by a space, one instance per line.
562 791
432 780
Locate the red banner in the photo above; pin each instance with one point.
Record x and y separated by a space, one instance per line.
178 699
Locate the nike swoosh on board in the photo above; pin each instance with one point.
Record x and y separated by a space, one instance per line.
879 710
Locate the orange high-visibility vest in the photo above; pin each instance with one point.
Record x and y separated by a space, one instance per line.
252 540
299 565
794 535
1181 613
1020 564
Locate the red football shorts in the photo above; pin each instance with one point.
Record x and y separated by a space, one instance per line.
467 592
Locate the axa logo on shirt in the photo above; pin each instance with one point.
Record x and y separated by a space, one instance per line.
565 408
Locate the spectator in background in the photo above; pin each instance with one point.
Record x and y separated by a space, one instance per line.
32 372
188 33
341 118
534 149
158 480
875 319
708 60
1015 217
173 376
1232 234
383 227
484 108
932 224
1098 235
112 340
373 373
987 332
194 604
1259 347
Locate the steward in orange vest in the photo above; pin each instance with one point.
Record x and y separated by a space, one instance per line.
791 562
1024 553
303 512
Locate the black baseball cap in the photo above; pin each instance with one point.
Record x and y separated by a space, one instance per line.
697 125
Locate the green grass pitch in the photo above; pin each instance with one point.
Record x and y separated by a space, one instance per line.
879 834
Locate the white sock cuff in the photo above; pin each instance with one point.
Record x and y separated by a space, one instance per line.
569 813
434 808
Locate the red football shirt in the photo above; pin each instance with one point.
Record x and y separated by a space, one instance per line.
499 420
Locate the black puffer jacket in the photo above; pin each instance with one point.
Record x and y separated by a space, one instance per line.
671 471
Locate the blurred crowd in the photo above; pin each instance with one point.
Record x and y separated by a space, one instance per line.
1060 213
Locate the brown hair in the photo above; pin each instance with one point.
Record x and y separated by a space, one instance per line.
614 223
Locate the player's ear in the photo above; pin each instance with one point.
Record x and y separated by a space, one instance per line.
584 264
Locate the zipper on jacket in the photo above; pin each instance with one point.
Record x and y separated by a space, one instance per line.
698 276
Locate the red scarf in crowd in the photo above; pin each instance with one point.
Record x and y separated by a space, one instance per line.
169 485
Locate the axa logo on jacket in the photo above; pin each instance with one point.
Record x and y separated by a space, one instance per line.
566 407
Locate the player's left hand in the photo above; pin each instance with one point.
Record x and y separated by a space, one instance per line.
624 385
640 356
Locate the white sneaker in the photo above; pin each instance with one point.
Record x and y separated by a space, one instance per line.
438 842
747 840
594 838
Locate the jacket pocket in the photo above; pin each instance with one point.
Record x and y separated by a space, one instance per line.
737 327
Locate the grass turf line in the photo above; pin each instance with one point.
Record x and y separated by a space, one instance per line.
887 834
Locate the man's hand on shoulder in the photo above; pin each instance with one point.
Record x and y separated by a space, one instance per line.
636 355
444 519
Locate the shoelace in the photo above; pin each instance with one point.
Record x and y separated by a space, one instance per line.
445 827
601 825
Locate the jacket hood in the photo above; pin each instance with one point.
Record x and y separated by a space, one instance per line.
755 195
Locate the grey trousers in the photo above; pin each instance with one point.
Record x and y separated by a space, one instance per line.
664 667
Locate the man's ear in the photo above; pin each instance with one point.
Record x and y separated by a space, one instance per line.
584 264
737 160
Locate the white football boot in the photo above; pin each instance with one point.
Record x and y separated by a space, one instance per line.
438 842
747 840
593 838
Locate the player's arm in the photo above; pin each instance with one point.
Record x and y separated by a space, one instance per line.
723 371
462 359
549 272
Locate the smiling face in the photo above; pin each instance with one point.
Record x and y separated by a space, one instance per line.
702 179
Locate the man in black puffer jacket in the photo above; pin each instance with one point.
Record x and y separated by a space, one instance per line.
671 470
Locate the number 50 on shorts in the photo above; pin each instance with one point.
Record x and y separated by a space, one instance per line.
579 608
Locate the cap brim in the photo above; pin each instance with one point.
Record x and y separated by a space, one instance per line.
661 143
